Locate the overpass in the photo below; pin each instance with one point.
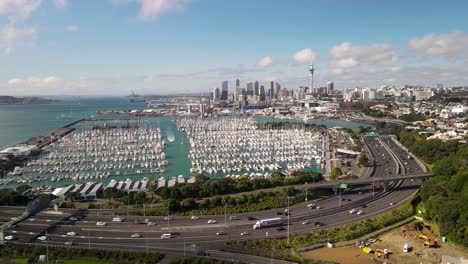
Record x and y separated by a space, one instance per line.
364 181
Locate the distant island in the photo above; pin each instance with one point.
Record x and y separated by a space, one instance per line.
23 100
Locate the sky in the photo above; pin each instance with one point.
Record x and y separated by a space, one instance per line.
111 47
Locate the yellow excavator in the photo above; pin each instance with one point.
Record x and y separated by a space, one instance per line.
428 242
378 253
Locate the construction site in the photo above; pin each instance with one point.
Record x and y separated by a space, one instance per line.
410 243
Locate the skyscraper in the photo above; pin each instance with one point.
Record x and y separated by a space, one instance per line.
216 94
262 93
237 83
250 89
277 90
224 90
256 90
271 93
330 87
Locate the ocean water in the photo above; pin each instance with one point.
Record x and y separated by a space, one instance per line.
21 122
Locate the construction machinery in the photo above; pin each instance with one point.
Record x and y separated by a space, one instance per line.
378 252
428 242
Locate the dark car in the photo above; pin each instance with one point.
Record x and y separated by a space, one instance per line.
318 224
251 218
279 213
280 228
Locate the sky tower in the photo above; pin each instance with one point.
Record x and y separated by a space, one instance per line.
311 74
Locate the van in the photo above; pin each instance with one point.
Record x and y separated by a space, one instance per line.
166 236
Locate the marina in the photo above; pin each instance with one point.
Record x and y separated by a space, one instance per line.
44 172
234 146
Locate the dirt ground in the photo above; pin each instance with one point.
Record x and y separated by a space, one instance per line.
393 241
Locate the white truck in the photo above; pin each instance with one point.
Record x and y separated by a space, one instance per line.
268 223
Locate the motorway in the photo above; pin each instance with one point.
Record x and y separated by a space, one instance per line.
192 236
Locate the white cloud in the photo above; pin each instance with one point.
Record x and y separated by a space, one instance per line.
154 8
61 4
15 32
305 56
150 9
265 62
346 56
18 9
451 44
72 28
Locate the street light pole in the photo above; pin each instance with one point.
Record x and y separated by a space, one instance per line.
225 215
373 186
306 192
339 196
47 247
289 213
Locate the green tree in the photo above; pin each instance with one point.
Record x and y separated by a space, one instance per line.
172 204
362 160
336 172
189 203
23 188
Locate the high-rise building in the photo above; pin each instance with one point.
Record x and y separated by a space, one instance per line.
224 90
330 87
216 94
277 90
271 93
250 88
237 83
256 90
262 93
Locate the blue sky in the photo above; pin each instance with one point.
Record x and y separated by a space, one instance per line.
108 47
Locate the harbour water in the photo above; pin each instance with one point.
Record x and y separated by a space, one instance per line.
21 122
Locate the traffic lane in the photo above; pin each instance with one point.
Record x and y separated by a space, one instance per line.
342 217
295 226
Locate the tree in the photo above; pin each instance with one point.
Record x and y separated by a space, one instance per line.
72 196
336 172
172 204
189 203
363 160
23 188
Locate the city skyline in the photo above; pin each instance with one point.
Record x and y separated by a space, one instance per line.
60 47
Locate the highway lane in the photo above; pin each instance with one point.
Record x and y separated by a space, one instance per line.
122 234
